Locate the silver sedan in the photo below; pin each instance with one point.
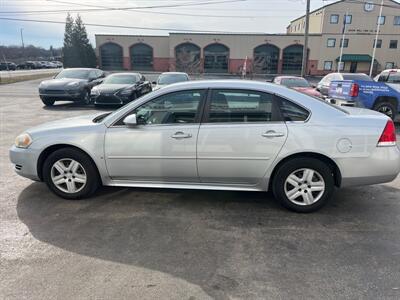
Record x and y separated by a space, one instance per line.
219 135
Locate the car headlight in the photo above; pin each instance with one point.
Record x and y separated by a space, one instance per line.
95 92
23 140
73 85
125 92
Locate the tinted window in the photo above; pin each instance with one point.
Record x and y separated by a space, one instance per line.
240 106
295 82
174 108
74 73
172 78
121 79
357 77
292 112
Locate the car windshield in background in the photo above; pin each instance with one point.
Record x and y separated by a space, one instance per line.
172 78
78 74
295 82
357 77
121 79
394 78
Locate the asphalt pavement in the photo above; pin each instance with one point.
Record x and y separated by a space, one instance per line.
183 244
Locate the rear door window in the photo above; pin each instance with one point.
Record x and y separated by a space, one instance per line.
241 106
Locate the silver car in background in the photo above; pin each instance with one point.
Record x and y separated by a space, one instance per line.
219 135
167 78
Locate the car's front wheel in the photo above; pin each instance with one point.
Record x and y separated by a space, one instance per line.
70 174
303 184
85 98
48 101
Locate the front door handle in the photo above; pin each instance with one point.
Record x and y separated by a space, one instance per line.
181 135
272 134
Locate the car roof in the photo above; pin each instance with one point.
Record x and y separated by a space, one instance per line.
173 73
290 77
125 73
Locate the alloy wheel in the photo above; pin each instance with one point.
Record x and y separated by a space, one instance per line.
68 175
386 110
304 186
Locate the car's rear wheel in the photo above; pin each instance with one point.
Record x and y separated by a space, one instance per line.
386 108
48 101
70 174
303 184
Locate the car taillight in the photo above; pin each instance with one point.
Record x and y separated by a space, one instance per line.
388 137
354 90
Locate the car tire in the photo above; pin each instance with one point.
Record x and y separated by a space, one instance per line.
303 184
85 98
71 174
48 101
387 108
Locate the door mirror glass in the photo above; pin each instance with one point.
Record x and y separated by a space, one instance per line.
130 120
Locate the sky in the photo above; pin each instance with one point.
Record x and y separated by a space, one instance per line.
262 16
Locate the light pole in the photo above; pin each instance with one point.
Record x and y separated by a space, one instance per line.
376 40
305 47
22 41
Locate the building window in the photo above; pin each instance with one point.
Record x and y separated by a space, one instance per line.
389 65
328 65
396 20
345 43
331 43
378 43
334 19
348 19
381 20
393 44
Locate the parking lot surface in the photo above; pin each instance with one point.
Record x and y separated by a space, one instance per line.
182 244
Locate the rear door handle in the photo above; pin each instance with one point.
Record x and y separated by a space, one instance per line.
181 135
272 134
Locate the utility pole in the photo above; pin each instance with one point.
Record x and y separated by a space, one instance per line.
376 39
22 41
305 47
342 43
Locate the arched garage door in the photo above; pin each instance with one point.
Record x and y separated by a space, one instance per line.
187 57
266 59
141 57
292 59
111 56
216 58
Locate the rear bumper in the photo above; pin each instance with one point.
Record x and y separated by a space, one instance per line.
25 162
383 165
341 102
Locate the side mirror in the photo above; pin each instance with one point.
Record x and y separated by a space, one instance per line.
130 120
154 82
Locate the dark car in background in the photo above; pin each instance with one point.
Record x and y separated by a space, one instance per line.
120 88
72 84
299 84
170 78
323 85
7 66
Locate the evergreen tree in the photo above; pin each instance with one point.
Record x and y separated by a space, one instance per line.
68 49
78 51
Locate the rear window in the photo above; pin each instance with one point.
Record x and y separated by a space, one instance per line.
394 78
357 77
292 112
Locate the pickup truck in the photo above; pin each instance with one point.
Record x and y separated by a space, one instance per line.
379 96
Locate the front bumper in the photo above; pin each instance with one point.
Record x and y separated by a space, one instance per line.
72 95
25 162
383 165
110 99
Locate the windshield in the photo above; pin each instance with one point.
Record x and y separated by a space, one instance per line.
121 79
295 82
356 77
171 78
78 74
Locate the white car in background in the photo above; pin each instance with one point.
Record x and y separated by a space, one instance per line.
167 78
391 77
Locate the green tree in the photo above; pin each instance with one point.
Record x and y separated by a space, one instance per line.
68 48
78 51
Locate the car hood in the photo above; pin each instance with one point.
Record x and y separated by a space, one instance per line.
159 86
109 88
63 125
54 83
